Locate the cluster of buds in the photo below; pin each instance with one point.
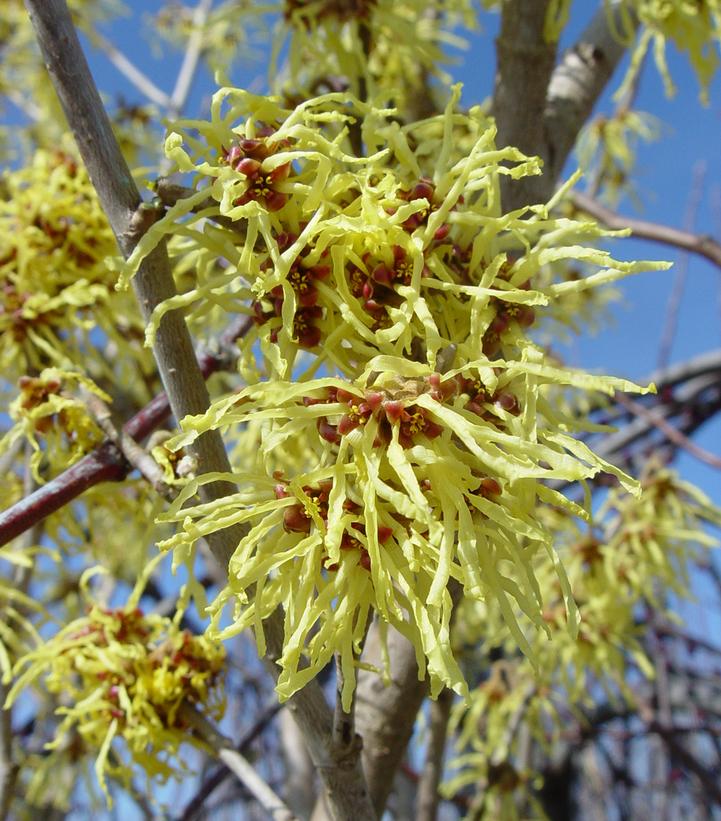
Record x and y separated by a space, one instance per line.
36 403
396 407
298 518
138 668
247 157
424 190
303 279
375 289
35 391
48 406
54 243
485 403
388 408
506 314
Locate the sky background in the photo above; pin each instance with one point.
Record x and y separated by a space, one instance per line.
689 140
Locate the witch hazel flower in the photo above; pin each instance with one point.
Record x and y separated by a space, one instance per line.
406 478
247 156
413 444
303 278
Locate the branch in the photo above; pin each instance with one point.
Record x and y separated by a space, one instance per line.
670 432
121 202
344 734
525 60
215 779
240 767
704 246
170 193
136 456
679 285
708 779
299 789
346 792
173 350
387 712
128 69
690 390
107 463
189 66
9 767
575 86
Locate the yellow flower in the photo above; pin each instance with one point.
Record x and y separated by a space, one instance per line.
421 459
693 27
55 423
124 674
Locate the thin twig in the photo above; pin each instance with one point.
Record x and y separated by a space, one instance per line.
707 778
716 216
223 750
191 59
660 761
7 460
129 70
8 764
674 302
671 433
215 779
9 767
428 798
343 722
106 463
136 456
700 244
24 103
170 193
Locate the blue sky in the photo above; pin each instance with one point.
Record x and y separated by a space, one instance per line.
689 135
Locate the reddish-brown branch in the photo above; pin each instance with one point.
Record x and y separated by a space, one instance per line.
669 431
665 234
106 463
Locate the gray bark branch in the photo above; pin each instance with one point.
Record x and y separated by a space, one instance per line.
525 62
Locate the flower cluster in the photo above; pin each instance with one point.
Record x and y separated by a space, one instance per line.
25 81
381 47
126 674
55 283
637 546
608 146
420 459
17 631
53 418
